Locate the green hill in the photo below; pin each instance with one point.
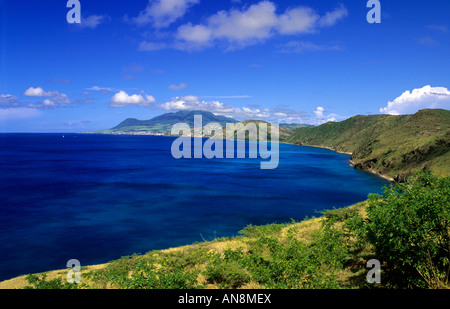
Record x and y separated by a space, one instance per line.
284 130
389 145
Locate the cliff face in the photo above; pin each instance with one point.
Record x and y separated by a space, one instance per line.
426 158
394 146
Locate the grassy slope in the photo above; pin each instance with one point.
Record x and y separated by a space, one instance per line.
389 145
283 131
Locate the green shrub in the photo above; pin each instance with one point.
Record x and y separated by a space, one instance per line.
292 264
228 275
330 247
116 273
409 227
340 214
148 276
42 283
260 231
226 270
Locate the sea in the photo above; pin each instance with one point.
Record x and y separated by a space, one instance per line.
96 198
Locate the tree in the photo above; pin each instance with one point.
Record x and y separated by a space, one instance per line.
409 227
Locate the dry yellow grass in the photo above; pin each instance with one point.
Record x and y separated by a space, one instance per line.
20 282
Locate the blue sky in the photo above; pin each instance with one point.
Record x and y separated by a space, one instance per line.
301 61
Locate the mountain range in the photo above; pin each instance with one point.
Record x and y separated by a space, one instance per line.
162 124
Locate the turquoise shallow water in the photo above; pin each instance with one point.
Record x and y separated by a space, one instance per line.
99 197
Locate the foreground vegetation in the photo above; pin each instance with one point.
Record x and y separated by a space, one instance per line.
407 229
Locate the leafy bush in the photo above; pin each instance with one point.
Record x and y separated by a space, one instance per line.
275 264
42 283
409 227
291 263
227 275
116 273
146 275
330 248
226 271
340 214
258 231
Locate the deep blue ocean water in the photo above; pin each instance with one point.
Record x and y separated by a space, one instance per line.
96 198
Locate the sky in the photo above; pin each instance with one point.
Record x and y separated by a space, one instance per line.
304 61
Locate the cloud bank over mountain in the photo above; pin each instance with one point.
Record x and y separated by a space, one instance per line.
421 98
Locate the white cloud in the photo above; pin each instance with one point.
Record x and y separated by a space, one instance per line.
331 18
189 102
441 28
301 46
102 90
92 21
218 108
245 27
61 98
53 98
193 37
412 101
427 41
9 100
240 113
48 103
77 124
178 87
297 20
162 13
323 117
122 99
319 112
39 92
256 23
18 113
151 46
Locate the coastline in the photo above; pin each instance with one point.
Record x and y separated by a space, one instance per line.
352 164
323 147
386 177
